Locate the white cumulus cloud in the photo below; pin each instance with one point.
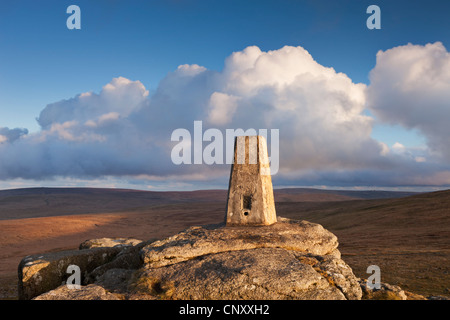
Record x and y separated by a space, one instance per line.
410 86
325 136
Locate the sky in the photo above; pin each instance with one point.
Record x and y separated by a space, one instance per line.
355 107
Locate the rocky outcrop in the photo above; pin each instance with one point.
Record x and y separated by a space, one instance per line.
89 292
301 236
109 242
385 292
43 272
262 273
287 260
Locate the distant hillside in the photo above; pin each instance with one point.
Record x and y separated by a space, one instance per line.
349 194
38 202
425 209
408 238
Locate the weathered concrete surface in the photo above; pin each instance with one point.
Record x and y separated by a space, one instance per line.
250 193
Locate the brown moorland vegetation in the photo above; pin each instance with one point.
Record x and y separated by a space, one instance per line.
407 236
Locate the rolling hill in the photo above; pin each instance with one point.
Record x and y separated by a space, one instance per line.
45 202
407 235
408 238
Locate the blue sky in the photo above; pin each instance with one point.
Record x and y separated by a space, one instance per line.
42 62
144 40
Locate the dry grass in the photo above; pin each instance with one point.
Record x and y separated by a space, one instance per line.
146 285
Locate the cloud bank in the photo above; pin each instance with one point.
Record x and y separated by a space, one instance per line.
325 135
11 135
410 86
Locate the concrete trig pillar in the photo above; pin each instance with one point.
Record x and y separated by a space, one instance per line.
250 193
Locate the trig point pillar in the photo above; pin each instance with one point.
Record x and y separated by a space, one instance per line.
250 193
